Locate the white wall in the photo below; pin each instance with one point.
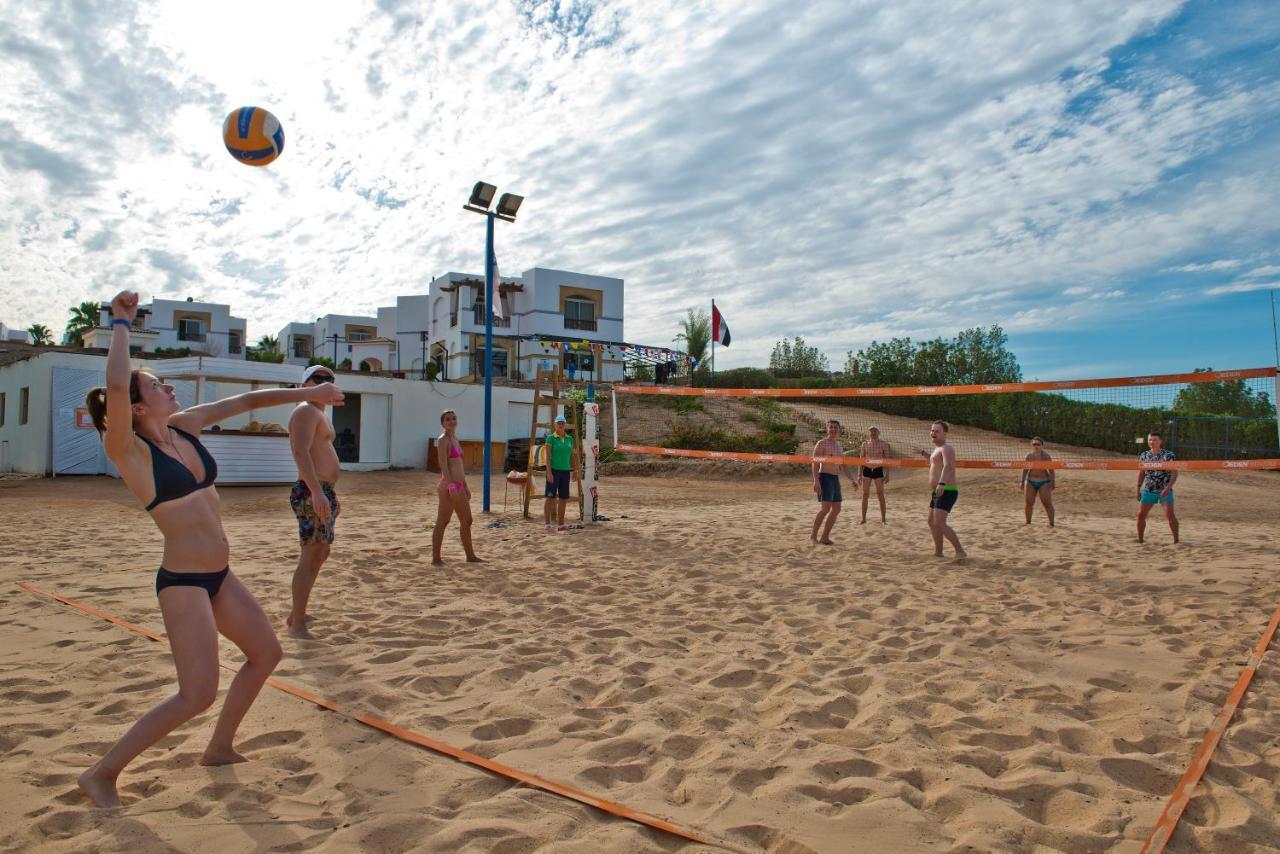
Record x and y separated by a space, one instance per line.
27 448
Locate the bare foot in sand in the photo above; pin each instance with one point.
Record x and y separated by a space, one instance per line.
438 562
473 559
100 790
299 632
961 556
826 543
221 756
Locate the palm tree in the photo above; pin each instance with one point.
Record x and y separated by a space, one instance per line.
40 335
268 344
695 332
84 317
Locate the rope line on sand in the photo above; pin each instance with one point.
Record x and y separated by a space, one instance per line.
1164 827
417 739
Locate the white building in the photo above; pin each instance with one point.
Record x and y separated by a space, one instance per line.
332 337
204 328
550 317
18 335
384 422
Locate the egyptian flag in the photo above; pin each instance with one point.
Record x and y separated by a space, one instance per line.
719 329
499 310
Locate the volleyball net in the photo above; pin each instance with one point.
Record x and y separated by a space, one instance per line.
1210 420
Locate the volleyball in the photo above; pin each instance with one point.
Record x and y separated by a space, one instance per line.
253 136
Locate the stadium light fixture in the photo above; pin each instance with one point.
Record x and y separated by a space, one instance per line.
508 204
481 197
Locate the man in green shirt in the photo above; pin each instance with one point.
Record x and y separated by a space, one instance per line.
562 464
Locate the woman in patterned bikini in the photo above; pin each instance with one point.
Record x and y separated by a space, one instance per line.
1038 481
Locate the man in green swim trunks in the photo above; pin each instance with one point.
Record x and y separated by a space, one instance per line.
1155 486
943 491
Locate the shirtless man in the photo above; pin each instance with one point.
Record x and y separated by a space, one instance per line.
312 498
826 483
1039 481
876 449
942 488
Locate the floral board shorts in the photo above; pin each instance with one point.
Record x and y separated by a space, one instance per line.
310 528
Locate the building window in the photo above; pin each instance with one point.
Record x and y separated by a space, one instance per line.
579 362
190 329
3 396
24 405
579 313
302 346
235 345
499 363
358 336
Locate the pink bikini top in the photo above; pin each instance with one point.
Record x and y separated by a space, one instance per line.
454 453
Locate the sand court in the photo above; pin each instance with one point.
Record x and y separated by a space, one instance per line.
698 660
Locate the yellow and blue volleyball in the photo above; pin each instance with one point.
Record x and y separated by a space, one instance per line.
253 136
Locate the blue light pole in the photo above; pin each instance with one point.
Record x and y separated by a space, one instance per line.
481 197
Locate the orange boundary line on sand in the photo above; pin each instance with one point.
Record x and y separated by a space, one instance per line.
1163 830
934 390
1085 465
411 737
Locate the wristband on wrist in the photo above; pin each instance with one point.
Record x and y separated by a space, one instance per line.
121 321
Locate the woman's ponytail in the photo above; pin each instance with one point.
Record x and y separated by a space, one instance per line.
96 401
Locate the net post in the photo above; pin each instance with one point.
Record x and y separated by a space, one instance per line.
613 393
590 444
1276 398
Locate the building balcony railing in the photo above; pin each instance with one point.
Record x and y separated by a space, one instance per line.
192 336
498 322
579 323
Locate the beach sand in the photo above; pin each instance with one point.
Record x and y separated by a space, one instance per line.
695 658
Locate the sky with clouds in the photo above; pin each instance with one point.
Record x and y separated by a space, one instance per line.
1102 179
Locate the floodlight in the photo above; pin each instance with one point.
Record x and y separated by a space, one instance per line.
482 195
508 204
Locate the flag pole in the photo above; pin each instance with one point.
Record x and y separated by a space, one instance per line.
713 338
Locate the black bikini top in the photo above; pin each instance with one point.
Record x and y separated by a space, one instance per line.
173 479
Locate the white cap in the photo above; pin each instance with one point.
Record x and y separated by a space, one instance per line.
311 371
560 419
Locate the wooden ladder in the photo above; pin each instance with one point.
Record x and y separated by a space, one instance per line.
553 381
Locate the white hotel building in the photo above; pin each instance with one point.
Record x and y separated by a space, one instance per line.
445 328
205 328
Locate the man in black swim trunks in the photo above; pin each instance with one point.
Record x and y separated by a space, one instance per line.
943 491
826 483
874 449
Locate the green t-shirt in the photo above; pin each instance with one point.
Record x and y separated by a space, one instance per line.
561 451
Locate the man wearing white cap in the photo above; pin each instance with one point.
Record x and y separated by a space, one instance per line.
312 498
562 464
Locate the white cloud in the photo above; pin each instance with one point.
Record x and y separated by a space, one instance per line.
830 171
1241 287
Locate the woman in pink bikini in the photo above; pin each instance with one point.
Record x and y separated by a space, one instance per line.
453 494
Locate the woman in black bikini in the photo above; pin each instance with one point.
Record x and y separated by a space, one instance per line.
452 493
156 449
1038 481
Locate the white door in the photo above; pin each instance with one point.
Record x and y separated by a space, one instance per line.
375 428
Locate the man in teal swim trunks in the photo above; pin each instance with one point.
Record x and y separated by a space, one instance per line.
1155 486
943 491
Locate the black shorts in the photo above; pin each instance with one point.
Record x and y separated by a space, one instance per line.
829 484
873 473
945 501
558 483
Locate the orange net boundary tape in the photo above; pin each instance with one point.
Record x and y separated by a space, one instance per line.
918 391
417 739
1085 465
1181 796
